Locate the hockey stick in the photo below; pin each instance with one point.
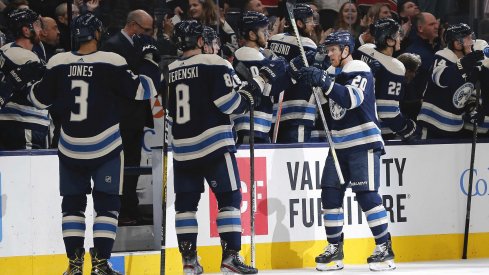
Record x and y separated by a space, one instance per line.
243 71
290 4
471 176
165 98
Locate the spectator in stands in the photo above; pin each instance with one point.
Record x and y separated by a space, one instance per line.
424 45
206 13
134 114
61 13
254 5
348 19
328 11
407 11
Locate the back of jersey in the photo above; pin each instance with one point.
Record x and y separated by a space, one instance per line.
201 98
82 91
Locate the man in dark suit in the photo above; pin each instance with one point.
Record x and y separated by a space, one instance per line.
134 115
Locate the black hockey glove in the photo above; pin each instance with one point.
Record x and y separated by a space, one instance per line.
25 74
274 70
252 94
411 132
296 64
315 77
147 46
467 63
472 114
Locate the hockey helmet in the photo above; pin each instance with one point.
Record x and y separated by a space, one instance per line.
85 26
251 21
19 18
342 39
456 32
384 29
302 12
209 35
186 34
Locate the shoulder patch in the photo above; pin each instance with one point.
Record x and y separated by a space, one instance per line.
356 66
447 54
248 54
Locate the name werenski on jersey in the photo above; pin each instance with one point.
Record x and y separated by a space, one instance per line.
184 73
80 70
280 48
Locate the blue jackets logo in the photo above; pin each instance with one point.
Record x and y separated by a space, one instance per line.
479 185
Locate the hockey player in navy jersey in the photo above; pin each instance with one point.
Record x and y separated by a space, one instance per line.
253 29
22 126
349 87
452 82
298 110
389 78
83 86
202 96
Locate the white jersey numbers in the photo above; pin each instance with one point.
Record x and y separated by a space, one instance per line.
182 103
81 100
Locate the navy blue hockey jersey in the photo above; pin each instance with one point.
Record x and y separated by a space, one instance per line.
254 60
446 95
83 89
389 81
202 97
354 124
19 110
298 107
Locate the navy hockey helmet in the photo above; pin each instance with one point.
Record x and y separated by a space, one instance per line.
85 26
210 36
456 32
19 18
302 12
251 21
384 29
186 34
342 39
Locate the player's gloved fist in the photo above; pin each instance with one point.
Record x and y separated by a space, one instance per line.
251 93
467 63
22 75
274 70
374 66
315 77
297 63
472 114
411 132
146 45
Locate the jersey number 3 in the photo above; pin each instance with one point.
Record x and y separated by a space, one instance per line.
81 100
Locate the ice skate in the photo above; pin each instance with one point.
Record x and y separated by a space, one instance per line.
383 257
190 260
101 266
232 262
75 266
332 258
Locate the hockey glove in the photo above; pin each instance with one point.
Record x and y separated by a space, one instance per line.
315 77
472 114
411 132
467 63
147 46
274 70
297 63
6 91
25 74
251 94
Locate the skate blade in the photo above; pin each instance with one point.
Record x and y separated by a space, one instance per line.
332 266
382 266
